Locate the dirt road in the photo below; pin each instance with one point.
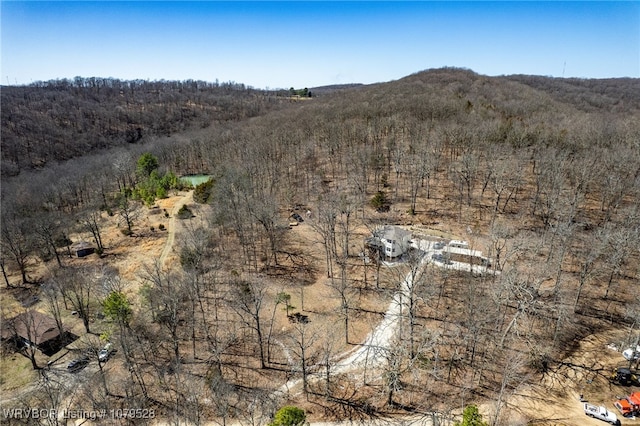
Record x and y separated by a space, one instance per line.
171 227
371 353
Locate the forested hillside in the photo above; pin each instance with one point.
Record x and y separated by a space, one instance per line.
56 120
542 175
614 95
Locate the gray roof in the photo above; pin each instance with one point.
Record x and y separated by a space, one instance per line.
390 232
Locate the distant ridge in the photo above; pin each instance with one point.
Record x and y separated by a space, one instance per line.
48 122
587 94
324 90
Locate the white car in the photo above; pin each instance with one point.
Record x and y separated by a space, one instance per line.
600 412
631 355
105 353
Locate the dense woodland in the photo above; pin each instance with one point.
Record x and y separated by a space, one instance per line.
48 122
542 174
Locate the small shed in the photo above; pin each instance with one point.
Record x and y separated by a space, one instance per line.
83 248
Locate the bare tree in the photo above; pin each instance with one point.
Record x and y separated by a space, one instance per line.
547 203
128 211
231 209
621 241
324 223
247 300
166 295
46 227
512 377
53 389
52 296
517 294
633 314
303 338
418 166
588 253
90 220
466 170
620 172
17 242
398 362
326 353
343 289
77 287
136 348
504 180
4 271
265 212
413 293
506 245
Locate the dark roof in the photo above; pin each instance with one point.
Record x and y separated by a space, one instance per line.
82 245
32 326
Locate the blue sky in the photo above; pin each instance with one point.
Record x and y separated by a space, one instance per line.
306 44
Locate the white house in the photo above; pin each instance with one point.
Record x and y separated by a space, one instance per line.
394 240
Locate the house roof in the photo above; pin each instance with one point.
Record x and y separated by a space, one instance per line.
33 326
390 232
81 245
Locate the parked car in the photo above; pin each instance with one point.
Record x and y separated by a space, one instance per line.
439 245
297 217
105 353
601 413
78 364
631 355
442 258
